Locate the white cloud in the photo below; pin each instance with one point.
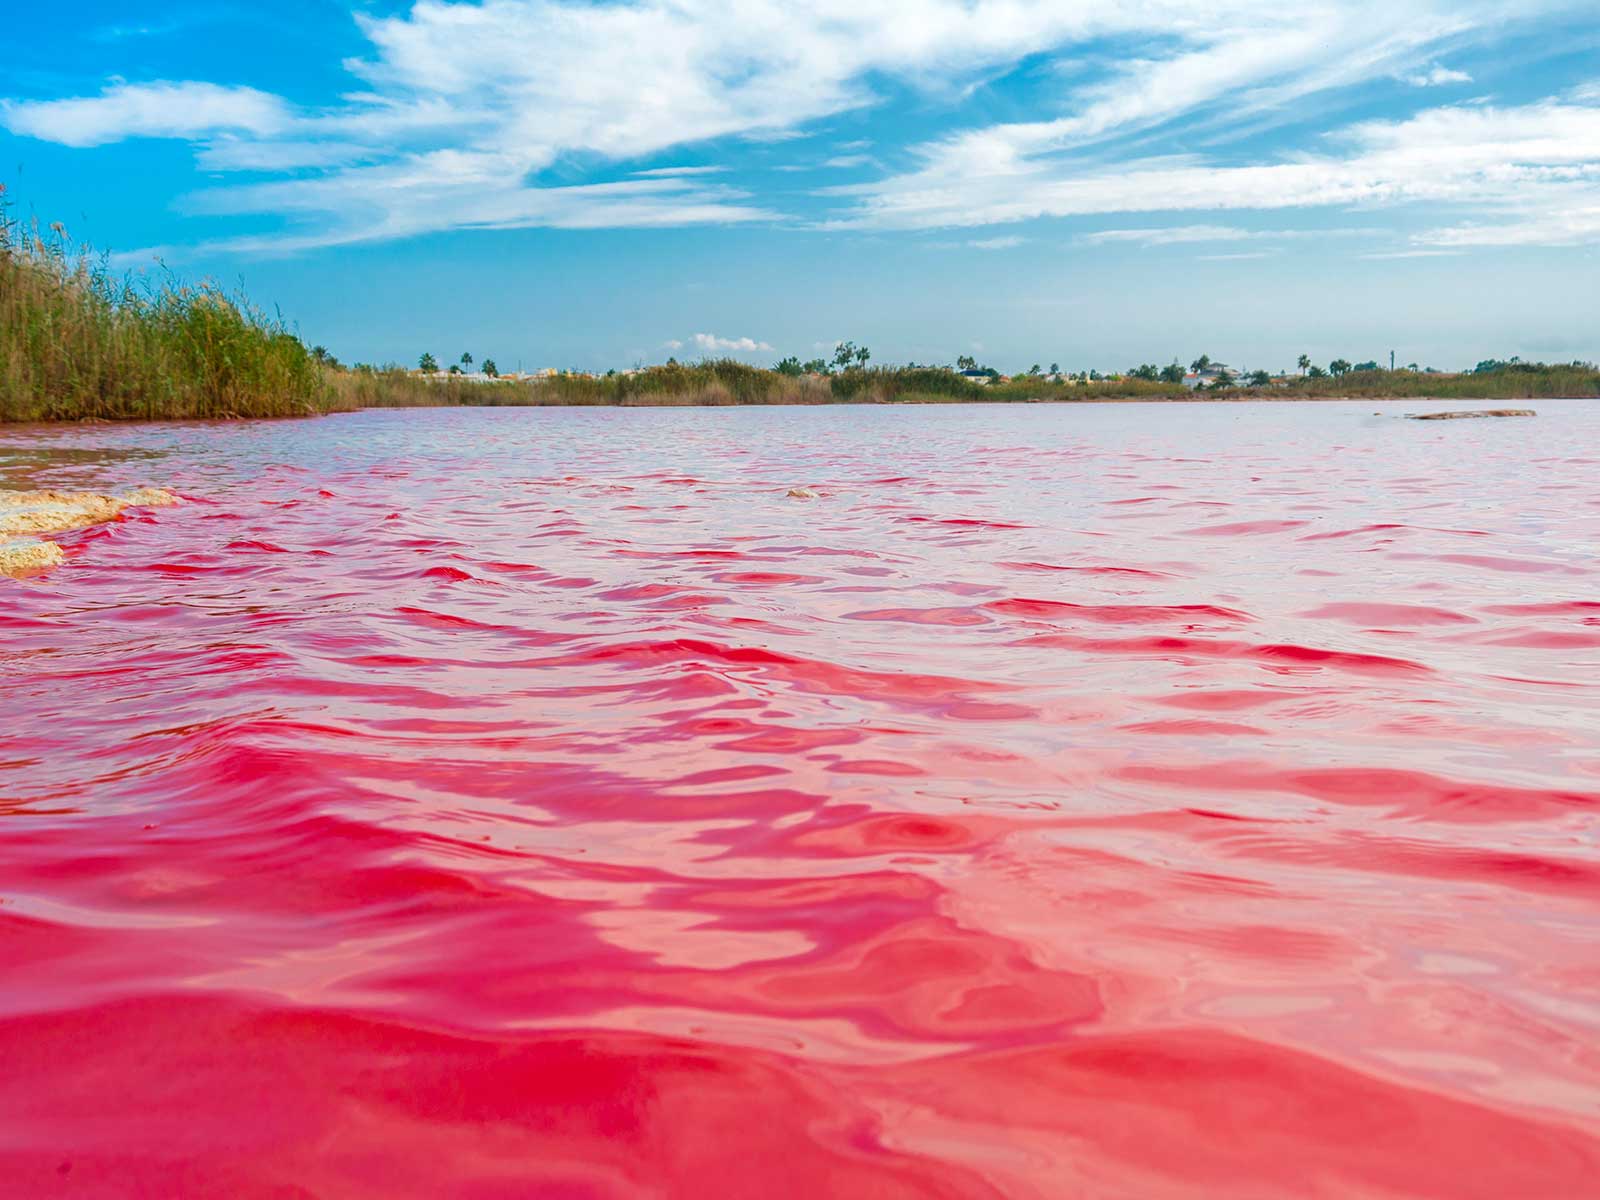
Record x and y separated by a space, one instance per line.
159 110
996 243
1437 76
231 153
462 106
1536 168
1172 236
662 172
1559 225
1183 235
1394 254
476 190
710 343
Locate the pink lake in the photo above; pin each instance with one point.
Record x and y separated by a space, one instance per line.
1123 801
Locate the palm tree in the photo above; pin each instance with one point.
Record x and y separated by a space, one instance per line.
428 363
466 361
489 369
1338 367
861 357
1305 363
1200 364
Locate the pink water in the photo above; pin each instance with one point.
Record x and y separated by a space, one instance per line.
1093 801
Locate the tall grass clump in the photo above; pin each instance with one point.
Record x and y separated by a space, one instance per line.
883 385
79 342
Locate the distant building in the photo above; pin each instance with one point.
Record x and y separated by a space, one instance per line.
466 376
1208 377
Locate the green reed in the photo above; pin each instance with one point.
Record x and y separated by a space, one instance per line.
79 341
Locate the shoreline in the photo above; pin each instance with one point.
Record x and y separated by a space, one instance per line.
897 402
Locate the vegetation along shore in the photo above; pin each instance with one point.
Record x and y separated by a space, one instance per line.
78 341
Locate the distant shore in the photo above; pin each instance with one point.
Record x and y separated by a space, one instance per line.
727 382
78 343
1238 397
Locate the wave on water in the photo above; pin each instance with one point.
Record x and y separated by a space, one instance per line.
496 803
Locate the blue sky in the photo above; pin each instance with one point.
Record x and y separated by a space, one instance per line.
588 185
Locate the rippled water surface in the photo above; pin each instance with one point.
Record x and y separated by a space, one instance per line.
1089 801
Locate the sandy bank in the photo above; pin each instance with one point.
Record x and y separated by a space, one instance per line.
40 512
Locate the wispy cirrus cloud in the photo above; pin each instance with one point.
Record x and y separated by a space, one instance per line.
1534 170
676 172
479 115
1184 235
1171 236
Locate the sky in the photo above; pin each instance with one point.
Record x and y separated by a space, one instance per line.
1093 183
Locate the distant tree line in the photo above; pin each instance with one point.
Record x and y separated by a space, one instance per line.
430 365
849 357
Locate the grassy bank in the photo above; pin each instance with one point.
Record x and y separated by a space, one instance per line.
1508 381
78 341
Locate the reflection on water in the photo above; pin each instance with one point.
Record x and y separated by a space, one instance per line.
1104 800
30 457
